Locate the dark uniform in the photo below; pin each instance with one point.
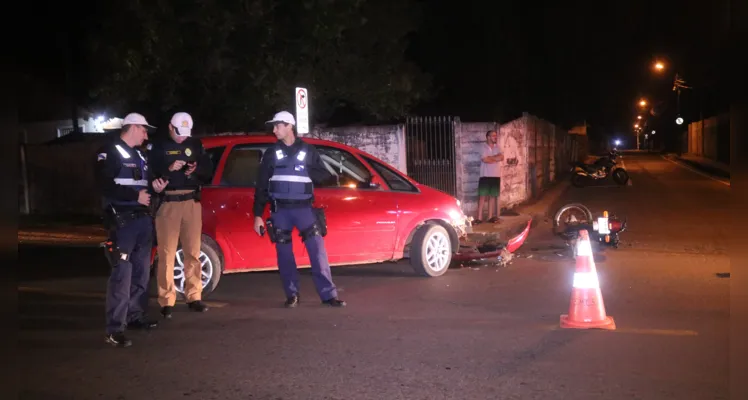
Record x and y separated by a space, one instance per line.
179 218
285 179
121 173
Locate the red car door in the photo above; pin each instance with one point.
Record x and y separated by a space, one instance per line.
361 218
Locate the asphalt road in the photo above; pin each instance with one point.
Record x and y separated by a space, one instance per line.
478 332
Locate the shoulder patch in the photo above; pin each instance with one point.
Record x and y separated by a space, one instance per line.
101 157
149 147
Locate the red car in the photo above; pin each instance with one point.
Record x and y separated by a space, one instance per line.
374 214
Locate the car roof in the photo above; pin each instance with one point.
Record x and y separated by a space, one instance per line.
216 141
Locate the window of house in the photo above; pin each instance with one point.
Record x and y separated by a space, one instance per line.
393 179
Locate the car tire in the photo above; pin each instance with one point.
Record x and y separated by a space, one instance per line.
431 250
208 249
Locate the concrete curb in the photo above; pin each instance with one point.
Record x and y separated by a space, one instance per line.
701 169
537 210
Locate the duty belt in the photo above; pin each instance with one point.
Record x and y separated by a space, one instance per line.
182 197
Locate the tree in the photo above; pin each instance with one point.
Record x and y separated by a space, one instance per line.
234 63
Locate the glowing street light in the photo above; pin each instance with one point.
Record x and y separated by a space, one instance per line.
618 142
636 125
659 66
643 103
653 132
638 117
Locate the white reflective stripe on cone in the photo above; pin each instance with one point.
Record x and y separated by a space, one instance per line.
290 178
584 248
586 280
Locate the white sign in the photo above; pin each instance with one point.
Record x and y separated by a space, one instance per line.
302 110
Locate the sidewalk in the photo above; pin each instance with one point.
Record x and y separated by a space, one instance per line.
703 164
535 211
61 230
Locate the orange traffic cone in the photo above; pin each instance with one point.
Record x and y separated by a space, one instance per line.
586 309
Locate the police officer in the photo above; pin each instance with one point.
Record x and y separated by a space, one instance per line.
182 161
122 177
285 179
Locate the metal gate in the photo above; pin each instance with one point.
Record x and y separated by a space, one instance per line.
430 147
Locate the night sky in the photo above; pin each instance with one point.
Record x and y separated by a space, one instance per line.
567 62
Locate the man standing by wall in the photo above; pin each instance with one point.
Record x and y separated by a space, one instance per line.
183 162
489 183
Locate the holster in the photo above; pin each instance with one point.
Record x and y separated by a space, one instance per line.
156 201
270 230
319 213
113 254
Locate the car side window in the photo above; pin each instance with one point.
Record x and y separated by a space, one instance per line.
345 168
214 154
243 166
393 179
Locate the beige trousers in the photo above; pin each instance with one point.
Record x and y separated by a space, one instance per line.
179 221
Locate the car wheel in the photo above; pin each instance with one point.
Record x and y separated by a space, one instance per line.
431 250
211 268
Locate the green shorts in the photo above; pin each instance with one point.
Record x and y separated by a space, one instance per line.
488 186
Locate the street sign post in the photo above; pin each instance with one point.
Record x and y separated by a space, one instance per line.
302 110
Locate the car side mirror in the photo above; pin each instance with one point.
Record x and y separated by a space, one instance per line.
374 185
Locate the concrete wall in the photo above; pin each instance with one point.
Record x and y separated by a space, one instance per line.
386 142
710 138
535 153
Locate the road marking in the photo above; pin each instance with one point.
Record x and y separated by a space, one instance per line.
639 331
698 172
98 295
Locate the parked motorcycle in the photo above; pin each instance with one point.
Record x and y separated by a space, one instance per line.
573 217
602 168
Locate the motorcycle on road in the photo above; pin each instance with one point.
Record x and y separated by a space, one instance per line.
602 168
573 217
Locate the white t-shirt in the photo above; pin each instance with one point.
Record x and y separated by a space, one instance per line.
492 170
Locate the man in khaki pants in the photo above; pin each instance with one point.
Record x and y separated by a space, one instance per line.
182 161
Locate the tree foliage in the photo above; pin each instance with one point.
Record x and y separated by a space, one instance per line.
234 63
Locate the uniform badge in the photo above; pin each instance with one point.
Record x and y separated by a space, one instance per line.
101 157
149 147
188 152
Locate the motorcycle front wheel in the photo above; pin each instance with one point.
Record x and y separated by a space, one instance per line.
570 216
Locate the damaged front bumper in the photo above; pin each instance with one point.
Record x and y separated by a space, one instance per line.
502 251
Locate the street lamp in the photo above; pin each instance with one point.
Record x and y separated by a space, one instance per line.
659 66
653 132
643 103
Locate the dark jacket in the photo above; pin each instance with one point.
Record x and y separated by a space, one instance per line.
165 151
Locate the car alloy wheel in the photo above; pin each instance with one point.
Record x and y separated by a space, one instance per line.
438 251
206 267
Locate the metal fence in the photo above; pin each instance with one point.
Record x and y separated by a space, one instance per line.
430 147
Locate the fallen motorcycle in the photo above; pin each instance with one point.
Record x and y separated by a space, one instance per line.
601 169
574 217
